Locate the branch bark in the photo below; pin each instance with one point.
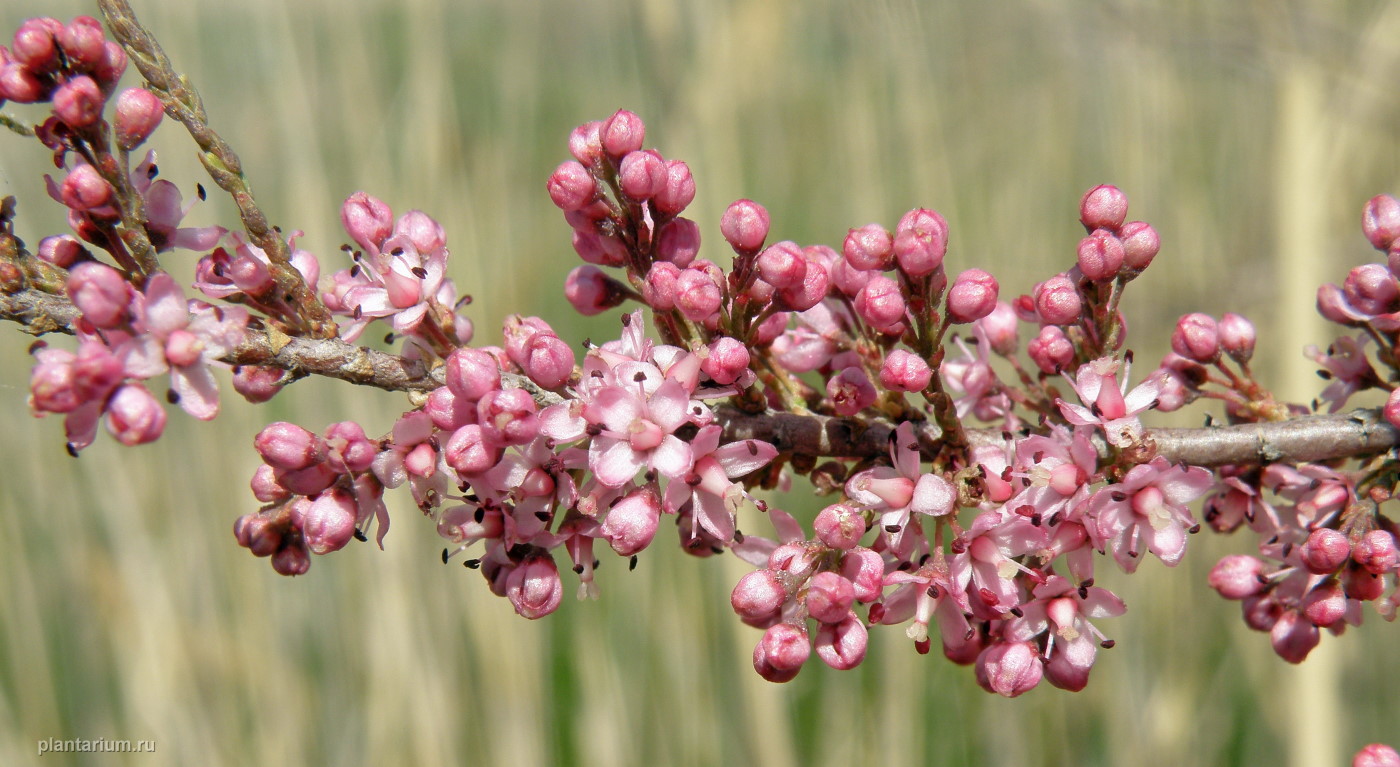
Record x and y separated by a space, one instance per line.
1305 438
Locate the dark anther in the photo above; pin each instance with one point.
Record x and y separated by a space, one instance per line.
388 338
1107 644
199 190
693 479
359 312
891 529
1016 611
1194 529
593 429
479 515
434 444
360 535
753 448
472 564
73 451
1118 496
419 272
932 591
631 563
444 556
639 377
542 516
172 396
578 569
1084 590
152 171
396 252
738 537
626 320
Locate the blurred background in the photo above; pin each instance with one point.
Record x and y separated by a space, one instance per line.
1249 133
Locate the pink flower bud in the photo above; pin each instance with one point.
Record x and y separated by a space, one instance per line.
518 331
698 294
1100 255
548 361
781 652
880 303
448 411
309 481
726 360
839 526
1051 351
1293 636
1140 244
329 523
678 191
641 175
905 371
631 522
251 275
1324 551
1380 220
101 293
507 417
1237 576
534 588
590 291
770 329
1009 668
585 144
571 186
1362 585
258 534
678 242
472 373
468 451
851 391
999 326
426 234
138 113
865 569
1103 207
1057 301
109 70
1331 304
829 597
920 242
35 45
1236 337
1376 755
842 645
257 383
1376 551
85 189
594 248
782 264
1371 288
659 290
807 293
623 133
134 417
848 279
1326 604
869 247
60 250
81 40
1196 338
348 449
744 226
20 85
292 559
972 296
367 220
758 596
78 102
289 447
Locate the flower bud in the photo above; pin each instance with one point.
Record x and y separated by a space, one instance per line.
1237 576
257 533
698 295
905 371
109 70
631 522
534 588
869 247
829 597
585 143
839 526
865 569
134 417
590 291
623 133
726 361
595 248
1100 255
641 175
920 242
678 242
1051 351
292 559
138 113
101 293
758 596
880 303
348 449
548 361
78 102
842 645
507 417
1196 338
289 447
1371 288
1326 604
782 264
329 523
848 279
84 189
1380 221
1140 244
809 292
999 326
1103 207
1009 668
1376 755
35 44
20 85
1236 337
367 220
468 451
571 186
781 652
1293 636
426 234
81 40
972 296
677 192
1057 301
744 226
1376 551
850 391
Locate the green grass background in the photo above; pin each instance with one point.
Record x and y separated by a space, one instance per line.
1249 133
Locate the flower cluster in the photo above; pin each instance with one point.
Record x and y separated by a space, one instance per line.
1009 471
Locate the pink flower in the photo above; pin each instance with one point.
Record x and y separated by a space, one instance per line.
1148 507
1109 405
709 487
1060 612
637 431
901 489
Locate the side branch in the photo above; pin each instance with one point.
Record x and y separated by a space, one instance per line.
1305 438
